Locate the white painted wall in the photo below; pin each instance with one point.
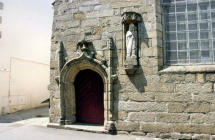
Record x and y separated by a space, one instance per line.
26 33
27 88
4 90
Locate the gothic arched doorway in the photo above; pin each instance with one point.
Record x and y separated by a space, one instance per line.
89 95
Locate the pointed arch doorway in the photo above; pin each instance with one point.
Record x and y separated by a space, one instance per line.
89 97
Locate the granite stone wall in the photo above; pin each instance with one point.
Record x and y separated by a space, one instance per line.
168 102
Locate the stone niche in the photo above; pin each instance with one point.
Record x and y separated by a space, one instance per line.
130 21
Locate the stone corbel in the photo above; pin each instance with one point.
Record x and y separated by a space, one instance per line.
114 77
131 17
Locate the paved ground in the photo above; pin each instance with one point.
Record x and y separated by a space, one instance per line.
31 125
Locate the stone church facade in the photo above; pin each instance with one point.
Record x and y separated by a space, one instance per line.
143 67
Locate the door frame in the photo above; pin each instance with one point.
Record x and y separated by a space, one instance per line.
67 89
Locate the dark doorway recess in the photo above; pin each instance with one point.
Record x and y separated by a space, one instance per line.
89 94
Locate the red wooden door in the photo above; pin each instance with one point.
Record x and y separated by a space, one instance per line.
89 90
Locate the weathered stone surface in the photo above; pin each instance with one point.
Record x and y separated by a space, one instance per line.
210 77
145 106
101 13
207 129
122 115
198 107
54 64
201 78
152 78
212 107
156 127
90 22
127 126
190 78
163 97
194 128
142 116
121 96
118 4
195 88
181 97
55 107
79 16
189 107
172 117
175 102
141 97
206 97
178 77
160 87
203 118
72 24
186 128
176 107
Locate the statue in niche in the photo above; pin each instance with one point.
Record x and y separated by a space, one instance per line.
131 42
131 21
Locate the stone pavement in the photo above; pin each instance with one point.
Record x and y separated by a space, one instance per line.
31 125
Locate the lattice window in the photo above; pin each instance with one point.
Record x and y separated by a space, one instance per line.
189 31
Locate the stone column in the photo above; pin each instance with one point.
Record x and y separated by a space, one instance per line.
110 107
70 104
62 104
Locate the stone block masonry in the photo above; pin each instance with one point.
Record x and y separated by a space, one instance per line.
177 104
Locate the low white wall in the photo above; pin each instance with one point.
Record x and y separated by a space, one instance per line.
4 90
27 85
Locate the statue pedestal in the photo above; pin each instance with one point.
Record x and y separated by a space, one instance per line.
130 65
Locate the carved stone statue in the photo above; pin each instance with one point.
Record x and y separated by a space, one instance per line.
131 42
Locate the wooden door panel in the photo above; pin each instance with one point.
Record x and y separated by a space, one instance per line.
89 90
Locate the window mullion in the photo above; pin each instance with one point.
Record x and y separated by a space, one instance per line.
176 24
188 37
198 30
211 31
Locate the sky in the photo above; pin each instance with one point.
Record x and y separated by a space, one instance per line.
26 30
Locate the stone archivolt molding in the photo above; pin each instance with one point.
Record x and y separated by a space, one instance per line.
83 59
67 88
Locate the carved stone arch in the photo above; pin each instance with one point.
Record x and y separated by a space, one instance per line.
67 88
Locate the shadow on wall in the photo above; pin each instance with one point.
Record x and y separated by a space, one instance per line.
138 80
